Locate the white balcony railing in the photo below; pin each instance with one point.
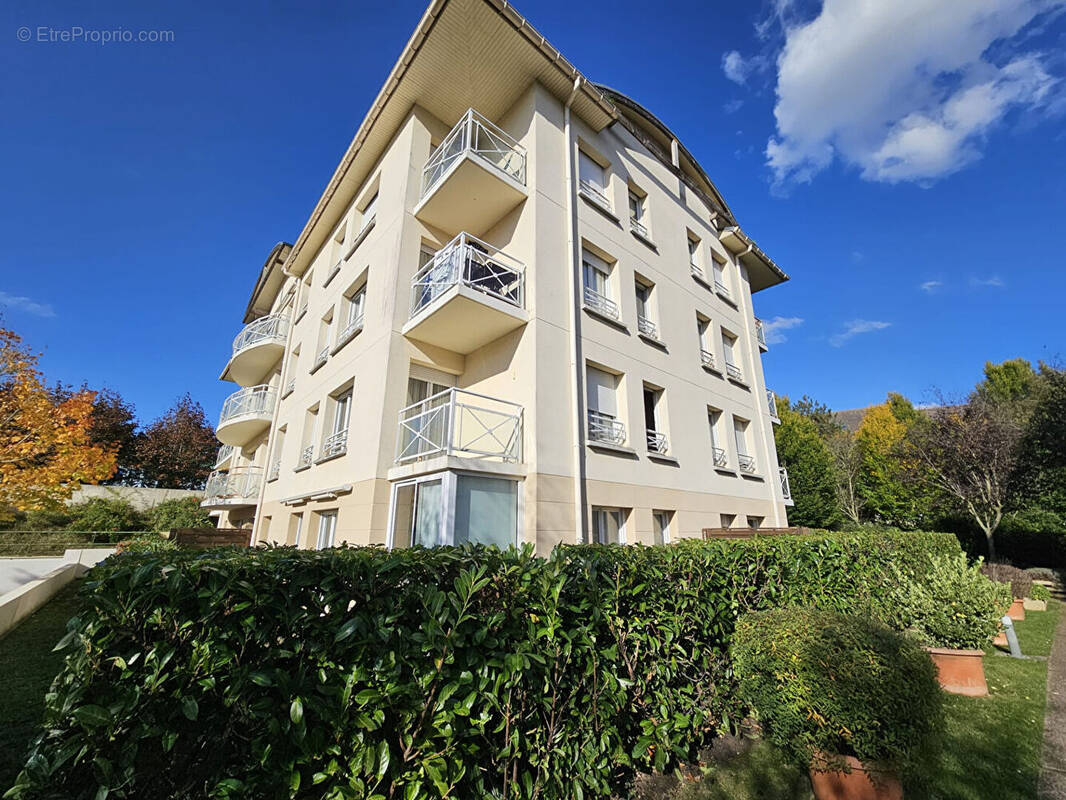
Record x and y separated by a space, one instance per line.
746 462
460 423
475 135
469 262
320 359
647 327
734 372
760 333
720 457
350 330
638 228
275 470
307 456
251 401
771 403
786 490
722 289
605 428
594 193
707 357
657 442
604 305
335 444
290 386
238 485
225 453
272 328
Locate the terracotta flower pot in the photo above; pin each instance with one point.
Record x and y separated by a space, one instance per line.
855 785
1017 609
960 671
1001 640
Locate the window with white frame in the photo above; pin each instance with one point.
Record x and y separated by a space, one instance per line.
279 449
731 354
335 442
660 524
325 328
602 390
609 525
718 452
721 279
305 294
296 524
695 259
452 508
638 222
354 309
598 290
327 529
703 335
294 360
645 315
593 178
654 426
370 210
307 441
745 460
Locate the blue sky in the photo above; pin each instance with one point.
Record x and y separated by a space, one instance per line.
912 180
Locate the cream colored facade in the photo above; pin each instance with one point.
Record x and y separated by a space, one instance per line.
513 316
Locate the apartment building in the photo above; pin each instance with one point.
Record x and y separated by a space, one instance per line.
519 312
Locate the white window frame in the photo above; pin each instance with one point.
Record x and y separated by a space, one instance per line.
663 519
599 531
327 525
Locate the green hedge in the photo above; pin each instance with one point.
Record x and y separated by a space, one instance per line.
454 672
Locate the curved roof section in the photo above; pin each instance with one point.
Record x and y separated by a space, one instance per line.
657 126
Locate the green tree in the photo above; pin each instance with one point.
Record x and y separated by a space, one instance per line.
1040 479
818 413
887 486
802 450
181 512
1012 382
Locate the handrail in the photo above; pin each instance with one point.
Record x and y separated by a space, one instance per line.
720 457
721 288
707 357
257 400
460 422
274 327
747 463
594 192
473 263
657 442
605 428
647 327
350 330
238 483
638 228
307 455
601 303
335 444
476 135
225 453
734 371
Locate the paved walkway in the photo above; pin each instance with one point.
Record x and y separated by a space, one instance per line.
16 571
1053 774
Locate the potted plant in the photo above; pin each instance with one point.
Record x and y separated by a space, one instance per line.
1021 583
953 611
844 696
1038 598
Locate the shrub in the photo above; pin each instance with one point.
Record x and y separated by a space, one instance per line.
100 514
181 512
146 543
1020 581
951 605
1040 592
459 672
825 684
1032 538
1042 574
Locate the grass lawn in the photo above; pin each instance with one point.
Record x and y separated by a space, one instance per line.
28 666
991 748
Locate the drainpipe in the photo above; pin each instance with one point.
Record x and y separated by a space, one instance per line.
578 383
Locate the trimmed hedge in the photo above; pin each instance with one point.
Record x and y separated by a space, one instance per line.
452 672
827 685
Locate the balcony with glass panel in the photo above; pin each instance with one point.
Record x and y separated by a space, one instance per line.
237 488
257 348
475 176
225 456
246 414
460 424
469 294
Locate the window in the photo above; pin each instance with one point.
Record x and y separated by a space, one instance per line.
597 278
423 425
327 529
593 179
354 306
322 350
721 283
660 526
370 210
755 522
729 351
305 295
727 520
336 440
703 335
714 422
652 423
645 319
479 509
740 433
279 447
608 525
637 221
602 390
294 359
694 254
307 444
296 524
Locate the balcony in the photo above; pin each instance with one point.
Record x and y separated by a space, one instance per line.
470 294
225 455
734 372
707 359
475 176
234 489
348 332
639 228
596 195
771 405
336 444
605 428
746 463
647 327
307 457
720 457
657 443
275 470
760 335
463 424
256 349
601 304
246 414
786 490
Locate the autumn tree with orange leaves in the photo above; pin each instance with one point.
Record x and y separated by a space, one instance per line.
46 449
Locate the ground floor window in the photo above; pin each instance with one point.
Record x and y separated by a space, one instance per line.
608 525
660 524
451 508
327 529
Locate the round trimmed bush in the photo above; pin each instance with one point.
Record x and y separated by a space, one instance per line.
952 604
825 684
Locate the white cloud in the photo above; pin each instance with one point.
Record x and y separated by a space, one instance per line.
738 69
904 90
26 304
994 281
774 328
732 106
854 328
930 286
